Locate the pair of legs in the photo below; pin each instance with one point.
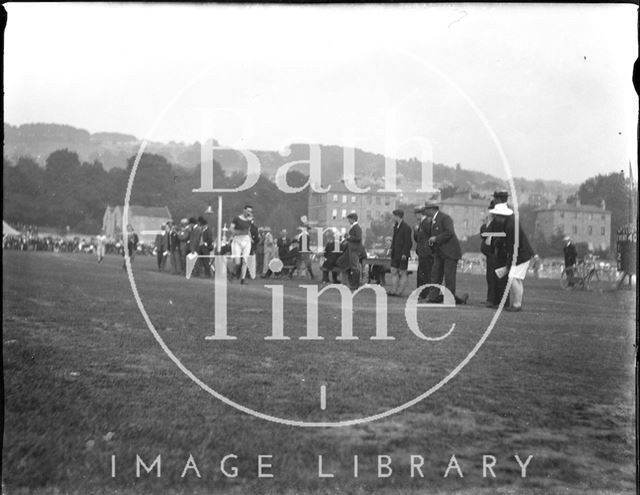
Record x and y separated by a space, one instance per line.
425 267
398 281
240 250
444 269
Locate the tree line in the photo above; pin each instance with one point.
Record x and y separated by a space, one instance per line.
69 193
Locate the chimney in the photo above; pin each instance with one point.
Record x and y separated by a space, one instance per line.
603 205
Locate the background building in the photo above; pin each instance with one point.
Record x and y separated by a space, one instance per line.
467 214
141 218
584 223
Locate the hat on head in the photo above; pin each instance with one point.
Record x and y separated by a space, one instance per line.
184 221
492 205
502 194
567 238
430 204
501 209
418 209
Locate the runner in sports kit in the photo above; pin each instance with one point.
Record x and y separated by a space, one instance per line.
241 243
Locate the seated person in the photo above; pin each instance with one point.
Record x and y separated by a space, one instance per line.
329 265
291 258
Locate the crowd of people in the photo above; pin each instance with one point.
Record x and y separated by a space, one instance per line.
254 251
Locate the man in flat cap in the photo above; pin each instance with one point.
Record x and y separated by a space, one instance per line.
446 251
401 245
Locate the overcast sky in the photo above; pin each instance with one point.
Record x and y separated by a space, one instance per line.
553 82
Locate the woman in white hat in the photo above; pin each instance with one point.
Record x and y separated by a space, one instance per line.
524 254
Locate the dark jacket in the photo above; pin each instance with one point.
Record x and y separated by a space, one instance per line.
525 251
354 240
570 255
283 246
421 235
446 243
486 249
401 242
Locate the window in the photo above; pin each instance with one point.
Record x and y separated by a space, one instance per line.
369 217
387 201
590 230
576 214
344 212
335 198
353 199
575 229
602 217
602 230
344 198
466 224
334 213
562 214
590 216
377 200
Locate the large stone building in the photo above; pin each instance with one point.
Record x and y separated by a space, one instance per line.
584 223
331 209
145 220
467 214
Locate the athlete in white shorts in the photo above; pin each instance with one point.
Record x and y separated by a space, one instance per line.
241 243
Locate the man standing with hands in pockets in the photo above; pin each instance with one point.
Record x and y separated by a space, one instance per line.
401 244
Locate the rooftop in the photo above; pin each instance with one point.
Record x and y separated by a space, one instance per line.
574 208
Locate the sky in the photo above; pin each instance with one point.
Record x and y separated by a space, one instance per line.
548 85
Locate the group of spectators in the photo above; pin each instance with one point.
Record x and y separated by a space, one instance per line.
438 251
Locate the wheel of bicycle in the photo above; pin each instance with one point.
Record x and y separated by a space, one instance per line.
564 280
597 282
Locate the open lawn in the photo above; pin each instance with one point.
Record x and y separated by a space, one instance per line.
85 379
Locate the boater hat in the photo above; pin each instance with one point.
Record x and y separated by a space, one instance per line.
501 209
431 204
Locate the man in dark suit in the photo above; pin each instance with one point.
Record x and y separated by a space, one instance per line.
487 248
570 258
401 244
201 242
162 247
350 259
283 244
421 234
446 251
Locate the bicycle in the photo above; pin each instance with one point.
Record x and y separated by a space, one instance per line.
584 276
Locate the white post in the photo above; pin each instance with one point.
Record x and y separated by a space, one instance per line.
219 246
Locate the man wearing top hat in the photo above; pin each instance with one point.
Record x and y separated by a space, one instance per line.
487 247
446 251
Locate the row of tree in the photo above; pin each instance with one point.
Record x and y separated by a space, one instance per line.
69 193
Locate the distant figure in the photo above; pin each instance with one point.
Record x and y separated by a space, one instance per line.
421 234
283 243
174 248
330 259
518 272
570 259
201 242
162 247
101 242
132 245
350 259
446 250
241 242
487 248
401 245
269 249
184 234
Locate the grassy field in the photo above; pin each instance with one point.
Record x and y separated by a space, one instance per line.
84 379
